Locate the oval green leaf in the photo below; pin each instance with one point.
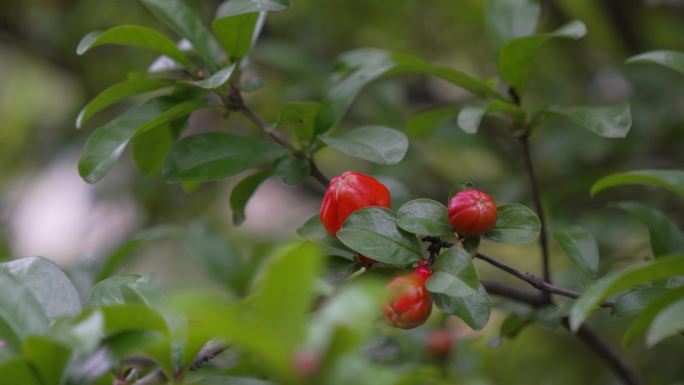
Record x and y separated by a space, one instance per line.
424 217
453 274
608 122
377 144
666 238
650 310
242 192
671 59
515 223
672 180
473 309
669 322
580 246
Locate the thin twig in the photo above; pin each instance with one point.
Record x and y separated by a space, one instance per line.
525 296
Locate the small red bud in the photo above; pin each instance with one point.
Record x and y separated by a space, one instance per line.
365 260
472 212
439 343
409 303
306 363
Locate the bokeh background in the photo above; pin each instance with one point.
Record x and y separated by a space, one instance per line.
46 209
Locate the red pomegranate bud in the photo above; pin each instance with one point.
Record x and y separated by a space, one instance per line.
472 212
409 303
439 343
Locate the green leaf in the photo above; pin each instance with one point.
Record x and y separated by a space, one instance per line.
240 7
669 322
236 33
470 117
48 358
132 317
473 309
424 217
377 144
135 36
672 180
373 232
313 230
300 116
357 68
666 238
48 284
670 59
516 58
292 170
513 325
117 93
635 301
510 19
214 156
515 223
20 312
182 19
617 281
424 123
453 274
105 145
109 291
223 380
649 311
216 80
16 371
580 246
608 122
150 148
242 192
458 187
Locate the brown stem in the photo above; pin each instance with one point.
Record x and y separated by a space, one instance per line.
212 349
530 298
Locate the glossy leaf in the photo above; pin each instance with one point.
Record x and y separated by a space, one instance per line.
300 116
109 291
453 274
216 80
672 180
635 301
608 122
242 192
182 19
470 117
313 230
424 217
376 144
510 19
235 33
106 144
117 93
19 309
150 148
473 309
239 7
515 223
580 246
623 279
423 123
516 58
373 232
649 312
136 36
48 358
666 238
292 170
214 156
668 322
671 59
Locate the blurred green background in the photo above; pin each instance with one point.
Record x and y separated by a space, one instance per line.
46 209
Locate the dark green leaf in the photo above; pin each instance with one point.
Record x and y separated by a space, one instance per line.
216 80
236 33
515 223
470 117
580 246
668 322
473 309
292 170
516 58
17 371
376 144
105 145
301 116
649 311
181 18
453 274
136 36
617 281
672 180
373 232
214 156
423 123
458 187
510 19
117 93
666 238
670 59
150 148
313 230
48 358
635 301
424 217
512 326
242 192
609 122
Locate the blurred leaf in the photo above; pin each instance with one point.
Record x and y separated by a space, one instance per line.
672 180
105 145
131 317
515 224
580 246
20 311
470 117
608 122
223 380
239 7
47 357
117 93
216 80
301 116
421 124
136 36
357 68
669 322
453 274
670 59
473 309
150 148
648 314
214 156
291 170
623 279
313 230
666 238
458 187
373 232
109 291
243 191
513 325
377 144
182 19
424 217
516 59
635 301
47 283
510 19
15 371
252 83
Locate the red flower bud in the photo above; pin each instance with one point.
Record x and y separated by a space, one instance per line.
439 343
347 193
472 212
365 260
409 303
